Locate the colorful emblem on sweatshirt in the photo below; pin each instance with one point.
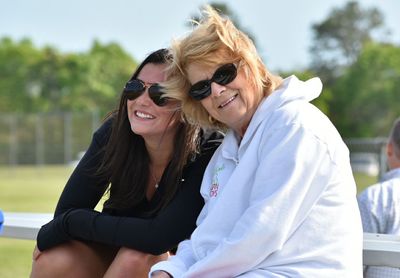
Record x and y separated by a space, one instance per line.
215 183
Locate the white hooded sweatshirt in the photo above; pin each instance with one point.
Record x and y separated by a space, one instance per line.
279 203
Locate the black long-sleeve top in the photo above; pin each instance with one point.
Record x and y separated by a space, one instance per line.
75 217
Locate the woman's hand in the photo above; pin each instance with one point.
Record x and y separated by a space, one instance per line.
36 253
160 274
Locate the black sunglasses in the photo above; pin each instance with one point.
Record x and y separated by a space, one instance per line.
223 75
135 87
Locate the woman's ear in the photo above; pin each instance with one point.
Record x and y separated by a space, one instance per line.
389 149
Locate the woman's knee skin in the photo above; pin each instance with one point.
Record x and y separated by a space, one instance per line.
136 258
73 259
54 262
133 263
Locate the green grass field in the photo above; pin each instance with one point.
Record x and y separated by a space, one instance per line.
36 189
363 181
26 189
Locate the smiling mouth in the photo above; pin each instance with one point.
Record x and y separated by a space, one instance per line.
229 100
142 115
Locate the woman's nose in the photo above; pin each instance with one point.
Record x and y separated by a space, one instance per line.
217 89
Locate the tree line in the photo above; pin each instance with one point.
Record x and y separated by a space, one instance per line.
44 80
351 52
360 69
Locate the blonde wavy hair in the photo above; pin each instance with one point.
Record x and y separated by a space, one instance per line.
214 41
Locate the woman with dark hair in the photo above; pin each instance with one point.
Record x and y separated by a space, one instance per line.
151 160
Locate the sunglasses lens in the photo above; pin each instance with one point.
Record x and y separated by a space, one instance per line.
200 90
133 89
156 93
225 74
158 99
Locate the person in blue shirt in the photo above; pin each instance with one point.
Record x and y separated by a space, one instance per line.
380 203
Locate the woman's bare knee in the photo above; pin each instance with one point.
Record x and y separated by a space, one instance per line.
54 262
136 258
72 259
132 263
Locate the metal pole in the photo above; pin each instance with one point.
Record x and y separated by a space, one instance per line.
39 132
13 140
67 137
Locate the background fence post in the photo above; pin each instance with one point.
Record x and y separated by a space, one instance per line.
67 137
39 138
13 140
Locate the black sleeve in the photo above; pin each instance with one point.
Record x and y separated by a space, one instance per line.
84 188
151 235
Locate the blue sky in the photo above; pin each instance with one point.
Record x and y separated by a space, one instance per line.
282 28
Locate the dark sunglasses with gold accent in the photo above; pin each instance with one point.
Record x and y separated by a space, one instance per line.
136 87
222 76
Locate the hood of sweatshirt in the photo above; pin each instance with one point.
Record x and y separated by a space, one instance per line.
291 89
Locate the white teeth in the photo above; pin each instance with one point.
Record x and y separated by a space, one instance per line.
222 105
143 115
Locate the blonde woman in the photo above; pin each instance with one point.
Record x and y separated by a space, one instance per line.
280 198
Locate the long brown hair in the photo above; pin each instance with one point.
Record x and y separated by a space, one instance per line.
126 160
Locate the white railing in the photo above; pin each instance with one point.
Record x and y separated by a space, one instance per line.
378 249
381 250
23 225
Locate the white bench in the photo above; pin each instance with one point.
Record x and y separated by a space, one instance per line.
23 225
378 249
381 250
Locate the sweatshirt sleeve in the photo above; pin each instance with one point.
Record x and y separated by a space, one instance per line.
289 179
176 266
154 235
83 190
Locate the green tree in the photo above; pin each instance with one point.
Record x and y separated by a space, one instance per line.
16 62
45 80
366 98
339 38
105 69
